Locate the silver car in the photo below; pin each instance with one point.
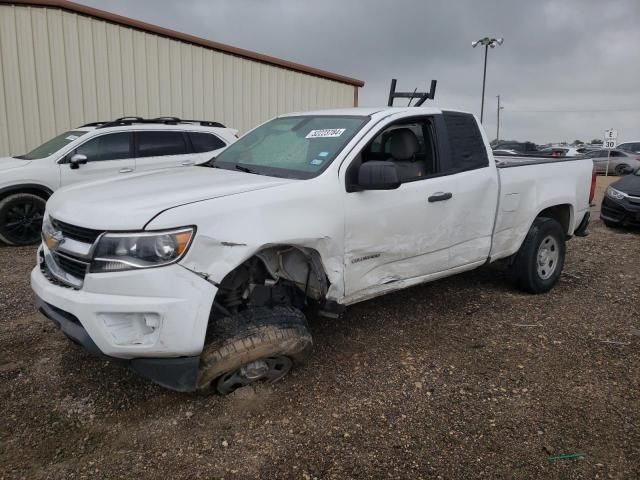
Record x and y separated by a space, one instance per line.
618 160
630 147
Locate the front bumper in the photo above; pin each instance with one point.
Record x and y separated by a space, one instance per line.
155 319
621 212
180 374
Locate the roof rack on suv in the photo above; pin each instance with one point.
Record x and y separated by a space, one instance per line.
163 120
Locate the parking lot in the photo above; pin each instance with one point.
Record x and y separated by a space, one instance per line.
461 378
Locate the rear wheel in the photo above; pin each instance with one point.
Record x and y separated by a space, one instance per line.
256 345
21 217
620 168
538 264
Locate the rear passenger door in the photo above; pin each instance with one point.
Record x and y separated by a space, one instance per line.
157 149
473 184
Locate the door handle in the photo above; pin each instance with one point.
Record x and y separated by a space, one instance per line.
126 170
188 163
440 196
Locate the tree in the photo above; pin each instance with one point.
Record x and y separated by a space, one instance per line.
596 141
577 142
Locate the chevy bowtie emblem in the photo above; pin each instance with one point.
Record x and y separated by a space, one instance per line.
54 240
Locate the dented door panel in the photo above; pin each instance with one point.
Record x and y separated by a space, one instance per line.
394 235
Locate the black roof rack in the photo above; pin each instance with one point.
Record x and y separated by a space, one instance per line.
122 121
420 96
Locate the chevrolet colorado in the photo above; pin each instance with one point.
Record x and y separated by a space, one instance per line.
198 279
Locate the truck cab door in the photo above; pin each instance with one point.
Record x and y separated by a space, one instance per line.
396 237
106 155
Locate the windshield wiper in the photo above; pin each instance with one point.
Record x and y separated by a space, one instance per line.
244 169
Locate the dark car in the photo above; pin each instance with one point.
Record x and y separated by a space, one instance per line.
520 147
621 202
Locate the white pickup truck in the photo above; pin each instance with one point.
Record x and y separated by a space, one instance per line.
198 278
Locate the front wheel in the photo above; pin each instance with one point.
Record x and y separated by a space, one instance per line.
256 345
21 217
538 264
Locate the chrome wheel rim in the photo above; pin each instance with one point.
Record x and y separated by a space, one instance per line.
547 258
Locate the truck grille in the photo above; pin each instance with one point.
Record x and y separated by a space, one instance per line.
72 266
81 234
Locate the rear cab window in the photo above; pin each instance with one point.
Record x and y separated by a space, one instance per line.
468 151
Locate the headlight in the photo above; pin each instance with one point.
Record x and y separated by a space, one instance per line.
116 252
617 194
48 231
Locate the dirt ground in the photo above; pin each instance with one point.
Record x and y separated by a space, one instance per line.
460 379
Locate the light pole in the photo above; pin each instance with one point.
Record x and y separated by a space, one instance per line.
498 122
486 42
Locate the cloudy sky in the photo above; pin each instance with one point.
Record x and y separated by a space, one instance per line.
568 69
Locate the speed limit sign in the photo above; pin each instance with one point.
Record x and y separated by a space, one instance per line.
610 137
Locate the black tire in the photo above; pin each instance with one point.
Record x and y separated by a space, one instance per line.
21 217
278 337
619 170
530 275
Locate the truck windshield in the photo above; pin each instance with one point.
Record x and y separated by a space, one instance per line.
291 147
52 146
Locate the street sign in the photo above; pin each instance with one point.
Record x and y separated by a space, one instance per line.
610 137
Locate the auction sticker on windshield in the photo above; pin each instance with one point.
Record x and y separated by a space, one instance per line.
325 133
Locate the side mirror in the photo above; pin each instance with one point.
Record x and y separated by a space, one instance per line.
628 170
76 160
378 175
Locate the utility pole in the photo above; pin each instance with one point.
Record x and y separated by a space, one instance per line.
486 42
498 124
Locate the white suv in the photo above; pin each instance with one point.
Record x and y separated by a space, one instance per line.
95 151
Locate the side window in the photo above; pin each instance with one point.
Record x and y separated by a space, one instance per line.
205 142
112 146
408 144
155 144
617 154
468 151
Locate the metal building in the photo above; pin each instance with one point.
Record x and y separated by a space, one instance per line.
63 64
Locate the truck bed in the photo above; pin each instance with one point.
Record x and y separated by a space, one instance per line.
539 183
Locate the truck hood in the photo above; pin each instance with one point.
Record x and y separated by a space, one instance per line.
8 163
130 203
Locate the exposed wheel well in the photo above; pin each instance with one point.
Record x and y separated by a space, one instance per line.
561 214
276 275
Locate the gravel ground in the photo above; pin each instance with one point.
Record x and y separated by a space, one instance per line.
463 378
